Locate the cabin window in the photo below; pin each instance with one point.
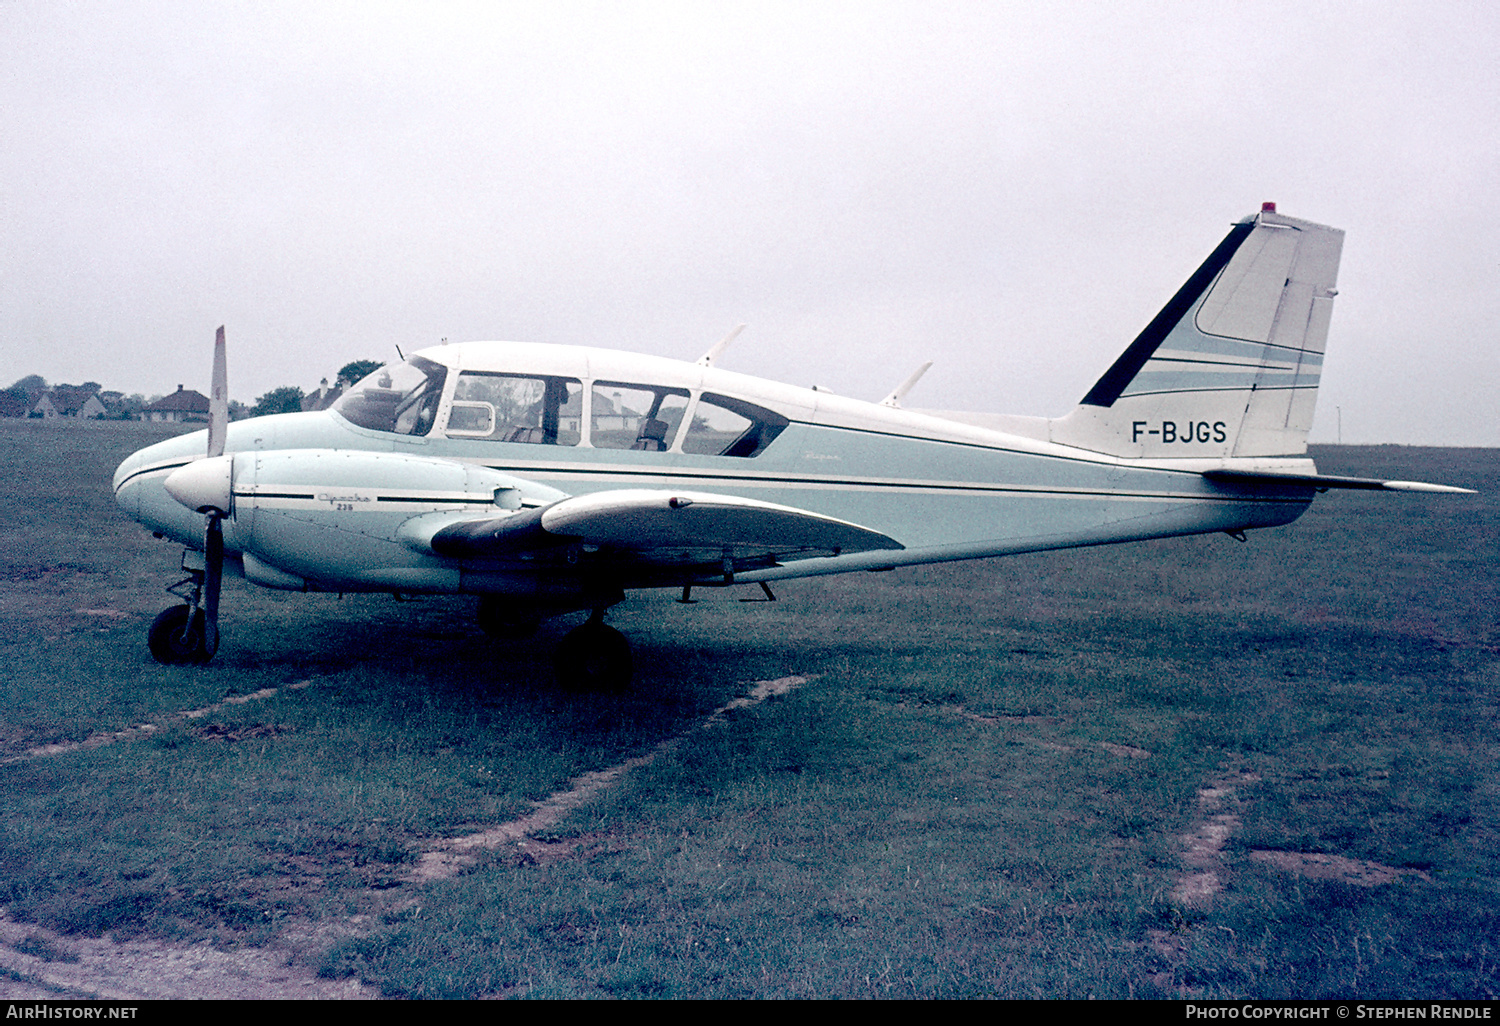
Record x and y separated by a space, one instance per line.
643 417
516 408
730 427
402 399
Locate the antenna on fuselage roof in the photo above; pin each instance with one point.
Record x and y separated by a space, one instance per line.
894 399
399 352
708 358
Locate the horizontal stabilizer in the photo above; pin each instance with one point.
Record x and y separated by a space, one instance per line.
1330 481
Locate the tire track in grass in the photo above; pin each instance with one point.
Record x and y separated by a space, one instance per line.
144 730
1219 817
1203 849
43 964
1204 866
447 858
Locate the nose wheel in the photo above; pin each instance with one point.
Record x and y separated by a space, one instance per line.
189 633
180 636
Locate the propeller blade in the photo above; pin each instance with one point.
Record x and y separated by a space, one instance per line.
213 575
218 399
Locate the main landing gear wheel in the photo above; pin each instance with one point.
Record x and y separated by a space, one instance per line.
594 657
178 636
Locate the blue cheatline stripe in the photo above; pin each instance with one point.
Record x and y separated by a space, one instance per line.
1195 341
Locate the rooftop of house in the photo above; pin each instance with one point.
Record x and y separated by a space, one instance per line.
184 400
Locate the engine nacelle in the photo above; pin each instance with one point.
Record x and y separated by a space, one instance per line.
333 517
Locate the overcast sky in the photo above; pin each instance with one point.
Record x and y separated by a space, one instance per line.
1009 190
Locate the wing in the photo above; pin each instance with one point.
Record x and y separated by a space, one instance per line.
643 533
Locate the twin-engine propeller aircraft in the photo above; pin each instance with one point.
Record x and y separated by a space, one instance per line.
551 479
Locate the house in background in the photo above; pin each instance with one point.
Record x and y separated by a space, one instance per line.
324 396
182 406
69 401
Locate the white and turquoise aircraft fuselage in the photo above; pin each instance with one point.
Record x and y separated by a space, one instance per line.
548 479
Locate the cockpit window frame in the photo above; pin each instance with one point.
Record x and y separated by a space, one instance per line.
423 400
642 435
765 426
554 399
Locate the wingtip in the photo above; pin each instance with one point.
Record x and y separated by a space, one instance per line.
1423 486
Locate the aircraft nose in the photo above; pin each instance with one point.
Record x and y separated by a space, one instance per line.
127 484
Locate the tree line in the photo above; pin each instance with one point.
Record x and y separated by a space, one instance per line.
21 397
289 398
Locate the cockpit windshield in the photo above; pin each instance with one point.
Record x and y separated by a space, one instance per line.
402 399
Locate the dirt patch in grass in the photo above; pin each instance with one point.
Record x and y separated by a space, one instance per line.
47 964
535 851
1203 849
1335 867
244 732
93 741
995 719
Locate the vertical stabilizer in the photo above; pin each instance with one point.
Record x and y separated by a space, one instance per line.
1230 366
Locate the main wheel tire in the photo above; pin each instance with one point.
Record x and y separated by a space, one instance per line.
594 657
175 641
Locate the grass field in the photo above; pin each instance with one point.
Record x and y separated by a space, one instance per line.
1188 767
